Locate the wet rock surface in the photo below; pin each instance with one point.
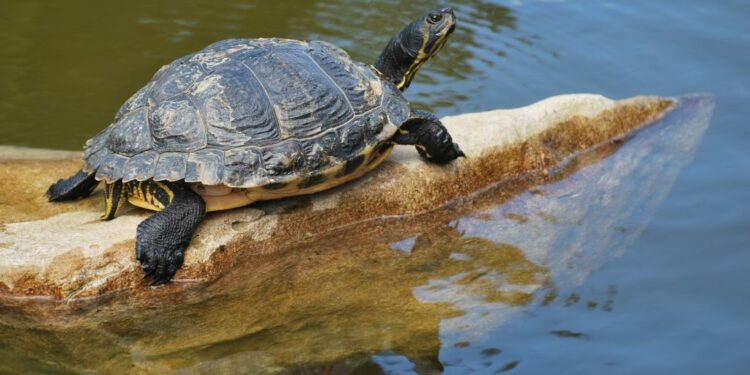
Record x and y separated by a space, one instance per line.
406 261
62 251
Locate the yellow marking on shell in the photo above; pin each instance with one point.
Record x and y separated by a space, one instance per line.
220 197
376 84
331 176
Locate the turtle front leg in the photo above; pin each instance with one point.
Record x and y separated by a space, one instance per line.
161 239
425 131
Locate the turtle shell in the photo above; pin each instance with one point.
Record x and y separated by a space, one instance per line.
246 113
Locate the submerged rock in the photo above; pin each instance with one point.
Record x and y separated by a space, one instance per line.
63 251
406 262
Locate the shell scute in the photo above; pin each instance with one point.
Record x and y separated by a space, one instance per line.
111 167
358 82
176 126
305 101
395 106
175 80
235 108
131 135
205 166
351 139
373 124
242 167
283 159
171 166
96 149
316 157
140 167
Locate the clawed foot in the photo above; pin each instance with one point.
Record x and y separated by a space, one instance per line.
442 155
159 261
160 247
425 131
161 240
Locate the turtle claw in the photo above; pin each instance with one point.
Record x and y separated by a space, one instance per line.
152 281
159 261
155 283
457 150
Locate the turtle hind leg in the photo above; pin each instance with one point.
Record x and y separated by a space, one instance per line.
432 140
77 186
161 240
114 198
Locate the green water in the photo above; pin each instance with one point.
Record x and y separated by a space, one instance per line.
67 67
669 294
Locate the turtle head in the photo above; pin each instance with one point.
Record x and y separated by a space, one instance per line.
415 44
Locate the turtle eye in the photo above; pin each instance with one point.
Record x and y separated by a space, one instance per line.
436 17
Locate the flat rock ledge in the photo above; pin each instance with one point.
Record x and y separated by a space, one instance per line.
62 251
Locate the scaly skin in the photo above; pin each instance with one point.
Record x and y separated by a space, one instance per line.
77 186
427 133
161 239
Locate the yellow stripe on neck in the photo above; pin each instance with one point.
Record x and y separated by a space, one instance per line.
422 56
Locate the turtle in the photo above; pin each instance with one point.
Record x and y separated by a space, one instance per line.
245 120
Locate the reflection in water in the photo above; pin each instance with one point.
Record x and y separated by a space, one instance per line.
65 68
318 302
574 225
424 293
345 294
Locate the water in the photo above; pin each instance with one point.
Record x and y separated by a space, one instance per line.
671 294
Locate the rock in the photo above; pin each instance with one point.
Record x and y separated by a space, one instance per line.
409 260
63 251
